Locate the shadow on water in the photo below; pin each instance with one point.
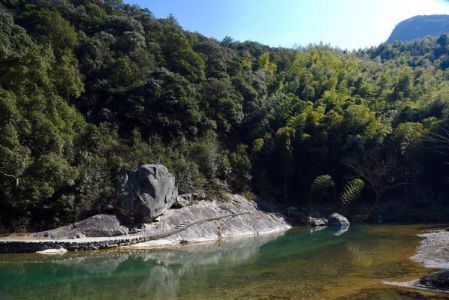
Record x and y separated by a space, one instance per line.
302 264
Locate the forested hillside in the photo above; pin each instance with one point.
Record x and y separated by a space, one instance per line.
90 89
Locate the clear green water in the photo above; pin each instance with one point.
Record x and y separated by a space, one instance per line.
296 265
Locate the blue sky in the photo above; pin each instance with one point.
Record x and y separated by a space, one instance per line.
348 24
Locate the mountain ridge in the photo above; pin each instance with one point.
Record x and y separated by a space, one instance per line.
420 26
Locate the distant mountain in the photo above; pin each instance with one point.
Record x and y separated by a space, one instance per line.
420 26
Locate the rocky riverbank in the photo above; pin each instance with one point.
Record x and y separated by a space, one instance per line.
432 252
202 221
249 218
149 213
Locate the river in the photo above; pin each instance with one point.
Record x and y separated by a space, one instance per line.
300 264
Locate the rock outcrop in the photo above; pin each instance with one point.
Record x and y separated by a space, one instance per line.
96 226
214 220
436 280
203 221
419 27
146 193
338 220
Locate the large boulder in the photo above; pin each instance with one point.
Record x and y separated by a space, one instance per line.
338 220
144 194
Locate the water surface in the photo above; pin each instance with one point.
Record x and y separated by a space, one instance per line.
300 264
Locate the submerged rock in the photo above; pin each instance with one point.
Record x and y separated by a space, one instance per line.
146 193
439 280
96 226
338 220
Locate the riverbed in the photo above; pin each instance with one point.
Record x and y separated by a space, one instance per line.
299 264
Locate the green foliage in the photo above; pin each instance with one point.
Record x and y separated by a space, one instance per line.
352 191
91 89
14 158
321 187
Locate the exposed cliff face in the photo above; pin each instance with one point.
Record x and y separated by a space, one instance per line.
420 26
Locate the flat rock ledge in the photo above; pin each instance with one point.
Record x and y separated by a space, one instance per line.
202 222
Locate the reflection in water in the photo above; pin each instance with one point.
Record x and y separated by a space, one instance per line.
95 264
358 255
341 230
324 264
162 269
336 231
317 228
183 259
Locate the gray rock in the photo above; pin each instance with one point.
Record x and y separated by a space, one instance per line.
231 217
338 220
433 251
438 280
315 222
135 230
95 226
146 193
183 200
201 195
248 220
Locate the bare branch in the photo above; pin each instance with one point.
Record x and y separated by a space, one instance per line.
11 176
381 167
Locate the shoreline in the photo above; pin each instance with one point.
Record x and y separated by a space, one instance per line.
202 222
171 244
433 253
433 250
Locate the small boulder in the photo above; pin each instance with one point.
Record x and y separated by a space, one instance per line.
146 193
338 220
183 200
438 280
201 195
316 222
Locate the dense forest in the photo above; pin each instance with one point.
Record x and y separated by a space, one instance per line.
90 89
